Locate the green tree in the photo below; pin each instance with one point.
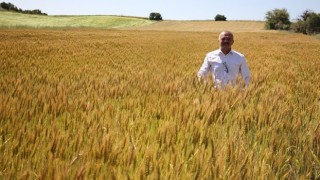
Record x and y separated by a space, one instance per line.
313 23
308 23
220 17
155 16
8 6
299 27
4 5
11 7
304 16
278 19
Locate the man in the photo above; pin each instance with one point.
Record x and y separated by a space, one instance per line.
225 64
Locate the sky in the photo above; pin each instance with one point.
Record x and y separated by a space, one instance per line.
171 9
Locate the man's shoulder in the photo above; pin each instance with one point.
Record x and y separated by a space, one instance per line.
218 52
237 53
213 53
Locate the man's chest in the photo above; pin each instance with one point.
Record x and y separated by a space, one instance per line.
222 62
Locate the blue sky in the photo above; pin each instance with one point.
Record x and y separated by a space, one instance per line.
171 9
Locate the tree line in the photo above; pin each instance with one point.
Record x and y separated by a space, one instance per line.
307 23
12 7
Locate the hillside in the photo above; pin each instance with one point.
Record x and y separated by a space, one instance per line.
11 19
236 26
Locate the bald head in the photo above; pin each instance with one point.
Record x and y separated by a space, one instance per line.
225 41
226 33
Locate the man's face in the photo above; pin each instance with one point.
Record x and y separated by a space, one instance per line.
225 40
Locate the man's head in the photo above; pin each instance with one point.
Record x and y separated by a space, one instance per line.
225 41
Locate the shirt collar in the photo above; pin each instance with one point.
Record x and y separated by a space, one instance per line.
231 52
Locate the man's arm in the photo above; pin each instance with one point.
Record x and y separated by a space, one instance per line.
203 71
245 72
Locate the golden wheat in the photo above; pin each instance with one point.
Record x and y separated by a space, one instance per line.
103 104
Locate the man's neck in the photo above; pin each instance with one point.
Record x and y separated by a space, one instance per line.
225 51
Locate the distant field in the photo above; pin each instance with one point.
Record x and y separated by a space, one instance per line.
10 19
235 26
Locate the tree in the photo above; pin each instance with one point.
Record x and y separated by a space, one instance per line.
155 16
8 6
308 23
304 16
299 27
220 17
4 6
11 7
278 19
313 23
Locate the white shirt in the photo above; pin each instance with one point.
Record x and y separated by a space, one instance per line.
225 68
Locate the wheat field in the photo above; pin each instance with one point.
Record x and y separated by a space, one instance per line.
202 26
111 104
19 20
